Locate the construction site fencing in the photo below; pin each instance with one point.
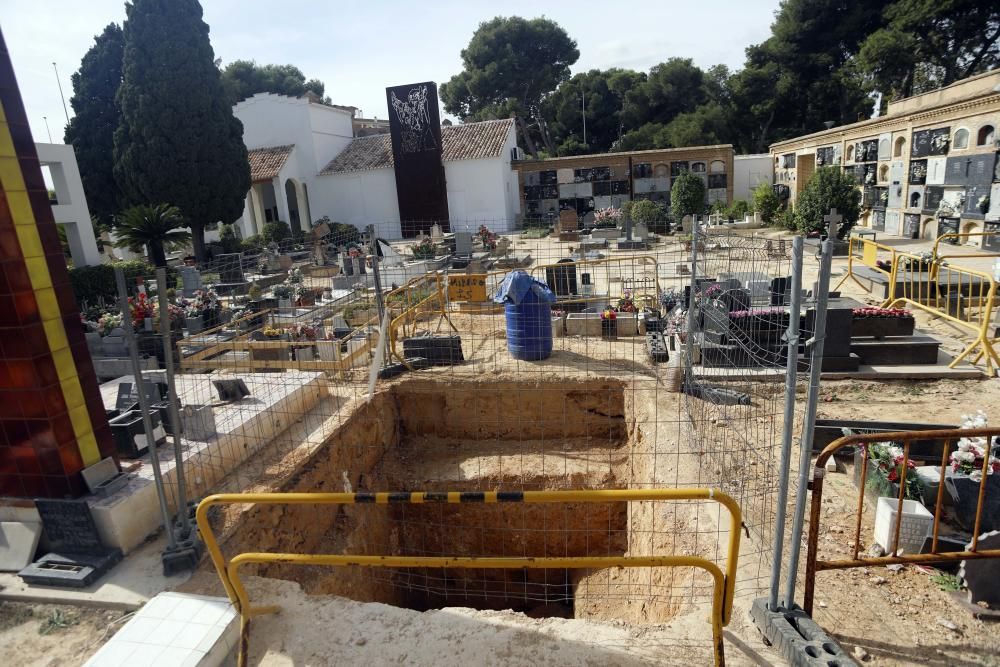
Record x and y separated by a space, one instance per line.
352 384
935 285
954 238
876 456
723 579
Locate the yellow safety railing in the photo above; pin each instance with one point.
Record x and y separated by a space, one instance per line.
866 252
423 294
960 236
723 582
962 296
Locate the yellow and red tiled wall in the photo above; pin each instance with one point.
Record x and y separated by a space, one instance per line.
52 419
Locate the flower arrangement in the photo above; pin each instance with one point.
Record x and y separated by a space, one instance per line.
983 203
967 459
140 307
881 312
756 312
888 460
294 276
282 291
108 322
424 250
608 314
354 251
668 299
176 314
203 300
712 291
273 332
626 304
607 217
299 332
488 238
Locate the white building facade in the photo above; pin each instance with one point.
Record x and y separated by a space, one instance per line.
70 207
748 172
305 164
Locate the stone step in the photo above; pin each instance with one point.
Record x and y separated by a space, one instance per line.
896 350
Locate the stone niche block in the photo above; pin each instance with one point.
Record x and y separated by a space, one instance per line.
628 324
583 324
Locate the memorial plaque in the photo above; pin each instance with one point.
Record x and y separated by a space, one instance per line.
930 142
992 241
824 156
231 390
467 288
911 226
128 396
933 195
415 129
878 220
678 167
69 526
948 226
918 172
548 177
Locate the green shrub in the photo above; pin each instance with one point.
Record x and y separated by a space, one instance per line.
252 245
687 195
652 213
93 285
738 210
828 187
228 240
766 202
275 232
343 233
786 219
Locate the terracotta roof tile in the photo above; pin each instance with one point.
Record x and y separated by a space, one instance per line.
469 141
265 163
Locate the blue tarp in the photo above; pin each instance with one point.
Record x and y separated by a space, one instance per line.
518 284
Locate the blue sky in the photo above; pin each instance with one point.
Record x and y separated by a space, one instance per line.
359 48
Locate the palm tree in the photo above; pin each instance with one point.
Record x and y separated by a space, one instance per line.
155 228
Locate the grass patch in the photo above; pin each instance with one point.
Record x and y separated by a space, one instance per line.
57 620
536 233
947 582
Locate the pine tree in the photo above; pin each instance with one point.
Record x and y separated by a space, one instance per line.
178 141
92 128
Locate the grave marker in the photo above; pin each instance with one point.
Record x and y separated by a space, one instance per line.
470 287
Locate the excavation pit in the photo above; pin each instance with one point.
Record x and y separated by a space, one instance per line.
422 435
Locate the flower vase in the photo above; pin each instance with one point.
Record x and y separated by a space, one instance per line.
284 304
147 324
193 325
609 329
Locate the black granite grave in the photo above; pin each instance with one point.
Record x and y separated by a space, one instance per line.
78 557
129 433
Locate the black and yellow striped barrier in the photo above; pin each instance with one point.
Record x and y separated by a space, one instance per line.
724 582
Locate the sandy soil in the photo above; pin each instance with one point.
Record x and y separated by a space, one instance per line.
897 621
39 635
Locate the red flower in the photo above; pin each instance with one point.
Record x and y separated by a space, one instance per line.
893 476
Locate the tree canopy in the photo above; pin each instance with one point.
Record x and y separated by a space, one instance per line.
828 187
510 65
687 195
91 131
244 78
177 140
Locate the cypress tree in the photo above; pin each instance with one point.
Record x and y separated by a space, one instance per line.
91 131
178 142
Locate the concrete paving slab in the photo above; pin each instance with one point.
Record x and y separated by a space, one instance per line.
129 585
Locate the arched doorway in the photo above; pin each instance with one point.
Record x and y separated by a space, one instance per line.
928 229
971 228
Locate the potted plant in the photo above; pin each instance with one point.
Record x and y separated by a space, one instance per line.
881 322
487 238
304 296
283 293
424 250
141 309
965 476
607 218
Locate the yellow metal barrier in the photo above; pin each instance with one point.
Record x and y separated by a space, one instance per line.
723 582
961 296
960 236
868 251
424 293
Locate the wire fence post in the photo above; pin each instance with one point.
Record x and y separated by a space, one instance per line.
791 368
175 418
376 278
815 345
691 328
147 422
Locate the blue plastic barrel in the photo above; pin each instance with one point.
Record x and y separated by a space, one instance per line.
529 328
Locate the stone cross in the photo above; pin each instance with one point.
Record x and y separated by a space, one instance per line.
833 220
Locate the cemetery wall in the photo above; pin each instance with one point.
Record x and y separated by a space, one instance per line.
588 183
925 168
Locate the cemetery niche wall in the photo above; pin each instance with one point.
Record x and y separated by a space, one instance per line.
415 128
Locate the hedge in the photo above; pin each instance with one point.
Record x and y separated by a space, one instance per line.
95 284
